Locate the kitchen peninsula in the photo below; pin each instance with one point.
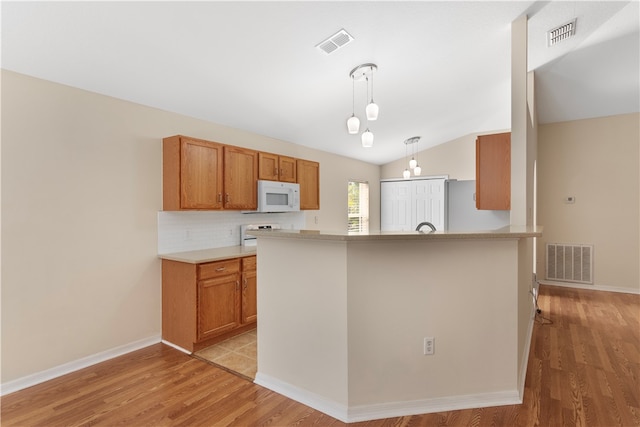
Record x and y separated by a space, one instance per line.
344 317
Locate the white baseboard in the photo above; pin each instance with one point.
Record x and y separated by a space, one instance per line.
591 287
322 404
75 365
524 363
177 347
387 410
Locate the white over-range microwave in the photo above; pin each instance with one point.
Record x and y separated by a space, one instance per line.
274 196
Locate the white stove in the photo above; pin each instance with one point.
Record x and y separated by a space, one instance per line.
246 239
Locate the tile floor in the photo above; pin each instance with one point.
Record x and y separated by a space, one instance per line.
238 354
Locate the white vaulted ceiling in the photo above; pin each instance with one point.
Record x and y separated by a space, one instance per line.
443 67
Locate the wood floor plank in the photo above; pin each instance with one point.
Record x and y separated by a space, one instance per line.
583 370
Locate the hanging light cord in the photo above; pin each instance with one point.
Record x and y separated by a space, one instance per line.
371 84
353 96
367 78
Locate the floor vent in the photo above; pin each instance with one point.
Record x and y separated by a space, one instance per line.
570 262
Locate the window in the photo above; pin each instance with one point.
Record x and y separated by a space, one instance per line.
358 206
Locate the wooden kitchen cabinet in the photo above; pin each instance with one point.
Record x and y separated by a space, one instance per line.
273 167
218 298
240 178
308 176
208 302
206 175
192 174
249 283
493 171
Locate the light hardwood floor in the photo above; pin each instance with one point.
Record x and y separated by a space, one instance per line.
583 370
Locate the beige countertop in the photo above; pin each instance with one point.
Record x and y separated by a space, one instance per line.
511 232
208 255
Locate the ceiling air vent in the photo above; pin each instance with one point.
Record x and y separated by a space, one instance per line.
563 32
335 42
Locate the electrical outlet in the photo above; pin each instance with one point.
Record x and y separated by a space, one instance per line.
429 346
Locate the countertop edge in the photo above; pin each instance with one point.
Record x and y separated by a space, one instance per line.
209 255
512 232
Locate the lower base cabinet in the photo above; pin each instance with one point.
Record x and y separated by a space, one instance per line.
209 302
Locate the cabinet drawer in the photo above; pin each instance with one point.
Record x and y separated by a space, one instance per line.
219 268
248 263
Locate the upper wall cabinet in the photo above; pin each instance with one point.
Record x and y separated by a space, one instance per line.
273 167
493 172
308 176
240 178
192 174
205 175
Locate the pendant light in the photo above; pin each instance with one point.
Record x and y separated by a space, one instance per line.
372 108
413 163
417 170
406 174
353 124
359 73
367 139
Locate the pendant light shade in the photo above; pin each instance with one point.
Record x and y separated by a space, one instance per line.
406 174
372 111
417 171
353 124
413 163
367 139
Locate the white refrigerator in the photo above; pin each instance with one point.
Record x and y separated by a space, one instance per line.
461 212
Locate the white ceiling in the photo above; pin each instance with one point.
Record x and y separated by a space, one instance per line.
443 67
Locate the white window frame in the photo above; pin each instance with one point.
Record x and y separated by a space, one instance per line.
361 214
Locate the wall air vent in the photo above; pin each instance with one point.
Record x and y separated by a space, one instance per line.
335 42
570 263
563 32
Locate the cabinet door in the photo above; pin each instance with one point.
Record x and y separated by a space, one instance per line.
240 178
218 305
249 285
428 202
308 176
287 169
493 172
268 166
200 175
395 206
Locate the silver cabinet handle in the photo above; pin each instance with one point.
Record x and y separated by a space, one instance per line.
221 268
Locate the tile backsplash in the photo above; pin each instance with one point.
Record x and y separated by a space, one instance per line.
192 230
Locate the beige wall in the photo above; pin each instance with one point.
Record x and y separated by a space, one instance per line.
595 161
456 158
81 187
